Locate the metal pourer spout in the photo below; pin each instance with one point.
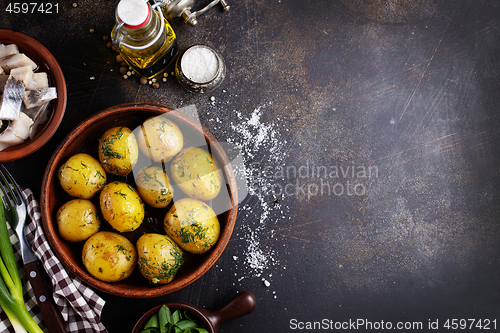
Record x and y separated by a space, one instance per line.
225 6
189 17
182 8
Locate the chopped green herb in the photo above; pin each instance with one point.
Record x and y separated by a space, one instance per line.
192 232
123 195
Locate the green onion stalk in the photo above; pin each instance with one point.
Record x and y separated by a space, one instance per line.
11 288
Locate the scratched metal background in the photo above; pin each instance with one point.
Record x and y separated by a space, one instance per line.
409 87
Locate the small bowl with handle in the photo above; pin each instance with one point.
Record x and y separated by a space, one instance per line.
242 304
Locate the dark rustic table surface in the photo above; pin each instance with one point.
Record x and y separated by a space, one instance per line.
403 93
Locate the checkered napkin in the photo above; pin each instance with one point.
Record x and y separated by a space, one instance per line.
80 306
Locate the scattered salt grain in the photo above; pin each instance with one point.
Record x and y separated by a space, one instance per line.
266 283
256 136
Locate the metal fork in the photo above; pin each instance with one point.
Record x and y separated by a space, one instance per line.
15 213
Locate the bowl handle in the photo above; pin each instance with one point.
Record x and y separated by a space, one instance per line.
242 304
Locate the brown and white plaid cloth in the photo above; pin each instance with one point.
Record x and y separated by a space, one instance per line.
80 306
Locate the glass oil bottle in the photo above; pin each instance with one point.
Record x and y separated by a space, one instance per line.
143 37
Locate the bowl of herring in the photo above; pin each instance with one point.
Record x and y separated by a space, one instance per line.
32 95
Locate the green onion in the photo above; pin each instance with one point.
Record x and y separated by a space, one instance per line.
164 321
152 322
176 316
185 325
11 288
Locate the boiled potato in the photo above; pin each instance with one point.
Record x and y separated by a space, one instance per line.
159 257
196 173
193 225
160 139
77 220
154 187
109 256
121 206
118 151
82 176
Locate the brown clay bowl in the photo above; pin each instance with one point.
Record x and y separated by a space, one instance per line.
46 63
84 138
242 304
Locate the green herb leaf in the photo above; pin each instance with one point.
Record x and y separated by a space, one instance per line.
152 322
179 321
163 318
186 324
176 316
149 330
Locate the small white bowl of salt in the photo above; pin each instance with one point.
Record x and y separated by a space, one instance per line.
200 69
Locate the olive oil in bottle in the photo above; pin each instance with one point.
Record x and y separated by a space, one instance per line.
144 38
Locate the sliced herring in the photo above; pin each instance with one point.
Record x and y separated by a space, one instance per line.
16 60
17 131
38 81
39 115
3 81
38 97
12 99
8 49
23 73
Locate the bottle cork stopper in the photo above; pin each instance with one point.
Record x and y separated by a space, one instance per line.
133 13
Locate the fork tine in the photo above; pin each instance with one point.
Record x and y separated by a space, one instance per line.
16 193
3 184
9 211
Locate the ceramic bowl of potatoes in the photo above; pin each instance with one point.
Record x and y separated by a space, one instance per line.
32 95
139 200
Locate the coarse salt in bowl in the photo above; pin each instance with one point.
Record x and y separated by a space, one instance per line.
199 64
200 69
